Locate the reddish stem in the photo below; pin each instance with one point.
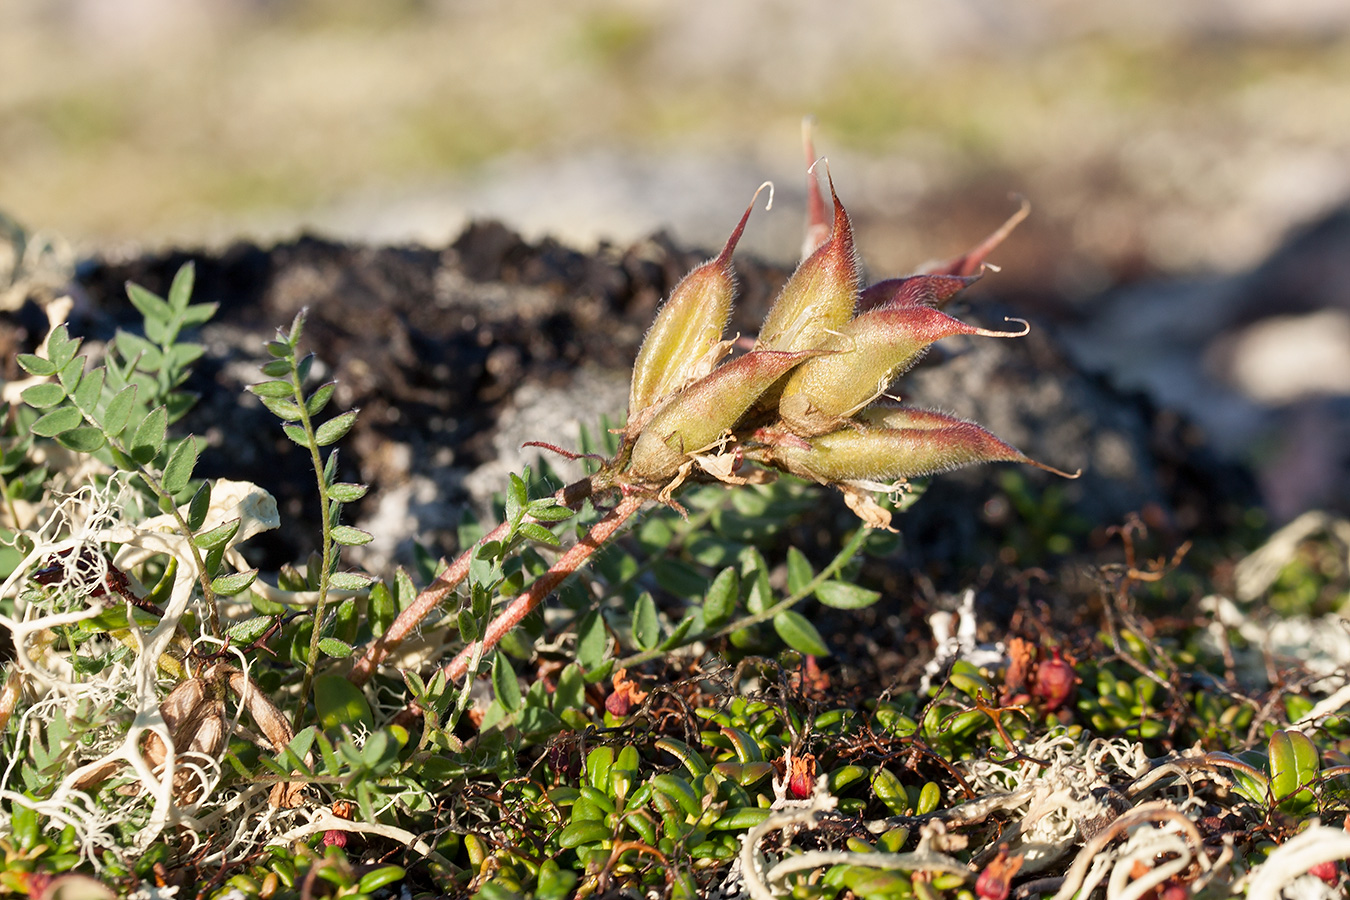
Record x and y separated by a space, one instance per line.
600 534
409 619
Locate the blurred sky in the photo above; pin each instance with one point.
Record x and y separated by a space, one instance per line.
1150 136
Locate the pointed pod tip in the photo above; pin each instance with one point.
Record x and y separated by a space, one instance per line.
1077 473
724 258
985 332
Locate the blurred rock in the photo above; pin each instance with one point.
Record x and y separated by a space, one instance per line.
1260 360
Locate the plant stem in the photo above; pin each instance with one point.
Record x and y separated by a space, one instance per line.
571 496
599 535
840 560
325 567
411 617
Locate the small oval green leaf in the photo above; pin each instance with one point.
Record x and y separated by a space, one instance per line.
504 683
335 428
381 877
842 595
720 602
799 634
348 536
346 492
85 439
339 702
118 413
646 624
58 421
229 585
335 648
178 470
148 439
43 396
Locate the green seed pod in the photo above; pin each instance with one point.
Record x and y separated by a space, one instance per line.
685 341
695 418
820 296
861 360
881 454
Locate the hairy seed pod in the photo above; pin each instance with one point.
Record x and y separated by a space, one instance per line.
700 414
879 454
820 296
912 290
685 341
860 362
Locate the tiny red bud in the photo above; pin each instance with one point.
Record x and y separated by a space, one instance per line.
1055 681
995 882
801 776
1329 871
334 838
1174 890
625 695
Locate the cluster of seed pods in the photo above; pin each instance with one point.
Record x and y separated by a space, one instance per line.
810 396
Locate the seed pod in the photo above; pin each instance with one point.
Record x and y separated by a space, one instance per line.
880 454
972 262
817 227
820 296
685 341
696 417
929 290
860 362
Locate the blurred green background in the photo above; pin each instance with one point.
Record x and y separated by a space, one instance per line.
1152 136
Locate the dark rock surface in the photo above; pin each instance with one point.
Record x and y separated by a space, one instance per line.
455 356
